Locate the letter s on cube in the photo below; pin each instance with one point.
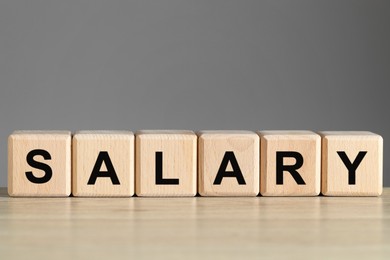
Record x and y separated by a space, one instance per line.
39 163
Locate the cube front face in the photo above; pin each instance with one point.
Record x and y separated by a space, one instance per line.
39 163
103 164
290 163
166 163
228 163
352 164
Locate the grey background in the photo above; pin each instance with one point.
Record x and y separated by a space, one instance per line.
319 65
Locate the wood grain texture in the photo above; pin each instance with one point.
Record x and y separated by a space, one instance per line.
369 173
308 144
119 146
213 146
58 145
179 152
195 228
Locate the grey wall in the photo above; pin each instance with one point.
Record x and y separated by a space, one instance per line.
320 65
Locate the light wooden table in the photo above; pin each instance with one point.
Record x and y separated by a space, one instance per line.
195 228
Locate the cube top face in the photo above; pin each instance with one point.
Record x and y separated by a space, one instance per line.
214 135
224 133
166 135
288 134
39 163
166 163
228 163
158 133
352 163
349 134
40 134
103 164
103 133
290 163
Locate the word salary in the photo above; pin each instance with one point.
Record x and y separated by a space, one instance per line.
165 163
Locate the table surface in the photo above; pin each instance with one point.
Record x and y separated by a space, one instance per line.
195 228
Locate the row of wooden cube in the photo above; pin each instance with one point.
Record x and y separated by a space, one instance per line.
182 163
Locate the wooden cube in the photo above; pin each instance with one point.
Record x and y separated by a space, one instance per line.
103 164
166 163
228 163
290 163
352 164
39 163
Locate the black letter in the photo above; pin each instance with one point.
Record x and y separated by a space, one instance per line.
46 168
103 157
159 172
229 157
280 167
352 166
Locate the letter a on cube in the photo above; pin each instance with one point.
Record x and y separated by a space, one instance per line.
103 164
228 163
